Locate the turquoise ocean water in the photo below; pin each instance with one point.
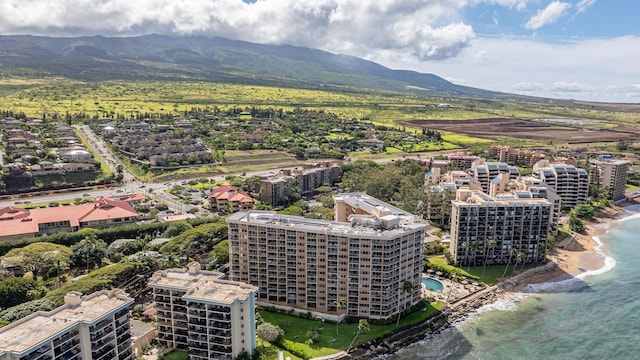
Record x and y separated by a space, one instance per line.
595 316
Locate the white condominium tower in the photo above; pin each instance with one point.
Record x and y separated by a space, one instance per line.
569 182
93 327
198 312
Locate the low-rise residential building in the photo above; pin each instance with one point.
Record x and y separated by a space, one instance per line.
294 182
364 257
609 174
198 312
497 229
92 327
18 222
461 161
229 199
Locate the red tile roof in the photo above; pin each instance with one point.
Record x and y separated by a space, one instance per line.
17 221
230 193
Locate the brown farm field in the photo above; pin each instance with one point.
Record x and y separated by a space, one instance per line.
528 129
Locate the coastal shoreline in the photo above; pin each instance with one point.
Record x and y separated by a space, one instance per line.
579 254
575 257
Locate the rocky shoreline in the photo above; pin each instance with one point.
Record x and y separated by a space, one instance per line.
444 319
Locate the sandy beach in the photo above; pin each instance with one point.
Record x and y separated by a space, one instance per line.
578 253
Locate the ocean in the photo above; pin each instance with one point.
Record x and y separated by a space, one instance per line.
594 316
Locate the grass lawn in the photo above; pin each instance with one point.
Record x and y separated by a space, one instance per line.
489 275
176 355
330 341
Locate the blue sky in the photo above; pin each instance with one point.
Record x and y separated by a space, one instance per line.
579 49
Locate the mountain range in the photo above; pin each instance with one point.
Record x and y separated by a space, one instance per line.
148 57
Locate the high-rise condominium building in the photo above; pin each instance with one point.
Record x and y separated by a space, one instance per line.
365 258
495 229
94 327
569 182
198 312
609 173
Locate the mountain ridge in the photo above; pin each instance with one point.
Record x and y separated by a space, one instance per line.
95 58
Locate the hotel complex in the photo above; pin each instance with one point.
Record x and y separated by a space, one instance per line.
93 327
198 312
518 223
610 173
364 257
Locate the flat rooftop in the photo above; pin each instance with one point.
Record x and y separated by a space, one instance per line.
32 330
275 220
220 291
202 285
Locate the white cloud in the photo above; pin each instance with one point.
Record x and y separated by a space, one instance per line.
430 29
583 5
549 15
586 69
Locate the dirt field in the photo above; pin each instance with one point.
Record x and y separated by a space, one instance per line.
526 129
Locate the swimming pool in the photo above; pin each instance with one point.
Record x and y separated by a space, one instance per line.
432 284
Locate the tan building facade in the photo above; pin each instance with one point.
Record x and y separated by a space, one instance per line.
517 224
364 258
610 174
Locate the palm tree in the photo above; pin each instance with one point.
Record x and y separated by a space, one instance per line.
407 287
474 246
363 326
465 246
491 244
519 257
340 304
454 277
511 253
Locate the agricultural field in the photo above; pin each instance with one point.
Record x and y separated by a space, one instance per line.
536 130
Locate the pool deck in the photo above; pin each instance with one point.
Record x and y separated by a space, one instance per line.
453 290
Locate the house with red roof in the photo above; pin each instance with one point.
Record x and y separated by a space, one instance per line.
17 222
227 198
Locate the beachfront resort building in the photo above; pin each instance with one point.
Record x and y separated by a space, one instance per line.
499 230
198 312
363 257
609 173
484 172
569 182
93 327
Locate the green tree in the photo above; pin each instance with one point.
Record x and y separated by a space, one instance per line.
220 254
40 257
583 211
511 254
89 252
407 287
576 224
363 326
15 291
269 332
491 244
292 210
453 275
340 304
